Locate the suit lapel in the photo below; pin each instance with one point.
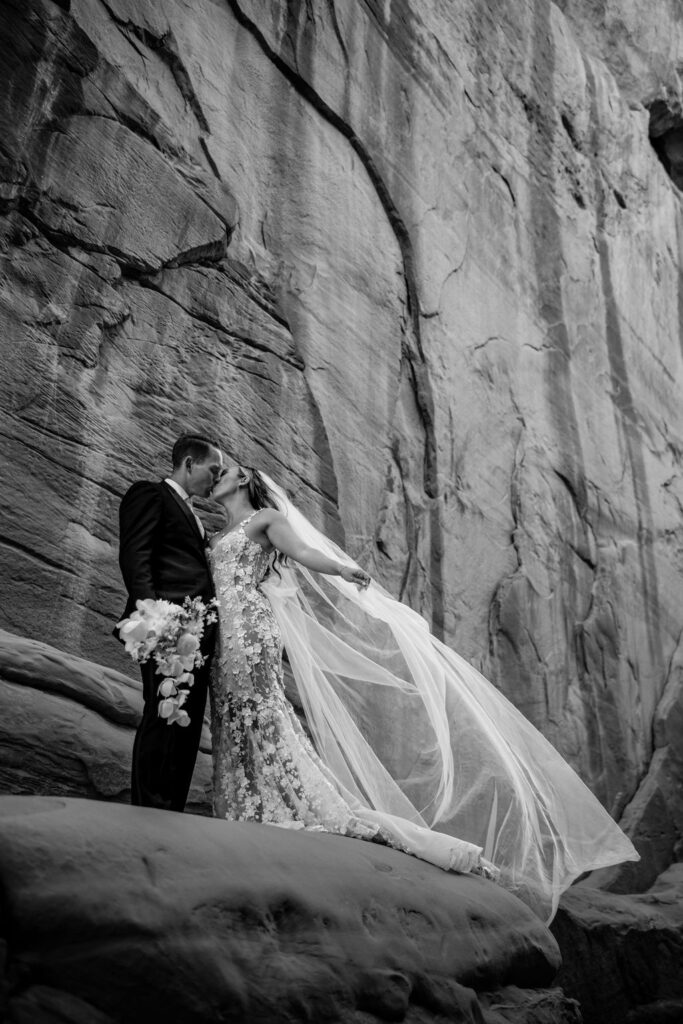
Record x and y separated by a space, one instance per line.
186 510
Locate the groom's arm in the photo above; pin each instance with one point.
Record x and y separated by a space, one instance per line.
139 519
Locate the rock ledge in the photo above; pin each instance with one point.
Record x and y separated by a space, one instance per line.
113 913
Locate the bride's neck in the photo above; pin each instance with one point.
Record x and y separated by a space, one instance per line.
237 508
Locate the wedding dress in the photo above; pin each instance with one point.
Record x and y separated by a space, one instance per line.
413 746
265 766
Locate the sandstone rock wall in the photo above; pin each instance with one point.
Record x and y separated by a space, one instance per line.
418 260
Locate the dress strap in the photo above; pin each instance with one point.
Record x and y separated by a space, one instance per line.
249 518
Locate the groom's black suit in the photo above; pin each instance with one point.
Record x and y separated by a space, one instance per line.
163 555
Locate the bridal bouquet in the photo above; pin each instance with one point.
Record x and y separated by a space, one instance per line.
171 634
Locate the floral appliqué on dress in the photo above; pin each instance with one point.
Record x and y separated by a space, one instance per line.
265 767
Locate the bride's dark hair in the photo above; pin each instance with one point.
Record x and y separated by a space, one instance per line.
258 491
261 496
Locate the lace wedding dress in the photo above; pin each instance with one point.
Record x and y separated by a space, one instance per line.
413 746
265 767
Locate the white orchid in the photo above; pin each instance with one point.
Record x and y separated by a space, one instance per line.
167 707
167 688
179 717
133 629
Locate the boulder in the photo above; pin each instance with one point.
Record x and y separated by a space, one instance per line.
654 817
119 914
67 727
622 954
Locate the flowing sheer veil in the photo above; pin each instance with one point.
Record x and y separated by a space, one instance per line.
418 738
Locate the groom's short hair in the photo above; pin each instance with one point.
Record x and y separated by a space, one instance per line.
195 445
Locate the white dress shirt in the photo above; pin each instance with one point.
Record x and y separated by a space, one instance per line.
186 497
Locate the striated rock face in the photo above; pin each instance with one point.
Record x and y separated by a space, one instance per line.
115 913
418 260
654 818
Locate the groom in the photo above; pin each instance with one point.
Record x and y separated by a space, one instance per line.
163 555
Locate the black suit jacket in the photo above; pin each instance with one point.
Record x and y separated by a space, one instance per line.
162 552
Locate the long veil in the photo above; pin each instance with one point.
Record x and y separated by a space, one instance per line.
421 741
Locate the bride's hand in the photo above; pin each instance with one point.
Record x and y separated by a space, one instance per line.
352 574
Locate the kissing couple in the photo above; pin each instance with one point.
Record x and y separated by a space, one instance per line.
404 742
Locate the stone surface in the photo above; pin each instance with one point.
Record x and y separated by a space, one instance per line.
67 727
640 44
654 818
623 955
420 261
113 913
512 1005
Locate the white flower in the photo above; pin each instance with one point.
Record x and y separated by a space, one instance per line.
157 613
133 629
167 707
167 688
187 645
172 666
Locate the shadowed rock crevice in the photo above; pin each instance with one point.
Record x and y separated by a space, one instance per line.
666 136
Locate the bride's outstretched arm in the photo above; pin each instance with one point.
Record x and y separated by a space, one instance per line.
282 536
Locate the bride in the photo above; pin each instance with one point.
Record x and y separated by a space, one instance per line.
413 746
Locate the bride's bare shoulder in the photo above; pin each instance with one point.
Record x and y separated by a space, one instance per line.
265 517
